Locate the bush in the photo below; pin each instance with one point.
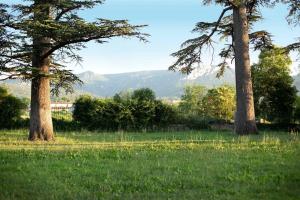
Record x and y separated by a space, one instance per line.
95 113
139 112
273 87
143 94
164 114
219 103
11 109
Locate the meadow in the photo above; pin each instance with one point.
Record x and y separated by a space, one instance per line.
158 165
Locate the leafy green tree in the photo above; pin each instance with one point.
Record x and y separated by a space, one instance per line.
84 109
39 37
233 26
191 100
164 114
143 107
123 114
219 103
11 109
273 87
144 113
143 94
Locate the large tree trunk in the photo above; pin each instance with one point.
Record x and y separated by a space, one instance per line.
245 116
40 113
41 127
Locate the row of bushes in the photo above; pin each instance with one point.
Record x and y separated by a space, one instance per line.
123 114
140 110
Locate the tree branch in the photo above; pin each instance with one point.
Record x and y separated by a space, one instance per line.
16 56
191 49
64 11
219 20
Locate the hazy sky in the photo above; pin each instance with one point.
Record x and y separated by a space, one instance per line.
170 23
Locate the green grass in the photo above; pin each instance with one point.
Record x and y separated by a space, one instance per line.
165 165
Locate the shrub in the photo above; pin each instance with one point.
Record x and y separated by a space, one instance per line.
138 112
11 109
84 110
219 103
95 113
143 94
164 114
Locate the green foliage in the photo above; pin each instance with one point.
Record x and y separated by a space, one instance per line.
274 93
139 111
143 94
219 103
11 109
199 105
92 112
191 100
164 114
23 26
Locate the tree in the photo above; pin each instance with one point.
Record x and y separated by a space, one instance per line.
39 38
219 103
273 88
234 27
11 109
143 94
191 100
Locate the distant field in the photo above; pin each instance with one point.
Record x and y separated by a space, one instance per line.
166 165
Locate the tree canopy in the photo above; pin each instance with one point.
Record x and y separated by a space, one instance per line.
191 50
66 31
234 26
192 100
219 103
274 93
39 38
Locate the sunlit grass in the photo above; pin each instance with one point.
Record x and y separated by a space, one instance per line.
158 165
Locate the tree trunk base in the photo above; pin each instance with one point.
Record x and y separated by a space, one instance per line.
40 136
247 128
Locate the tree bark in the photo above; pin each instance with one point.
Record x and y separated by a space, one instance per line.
245 116
41 127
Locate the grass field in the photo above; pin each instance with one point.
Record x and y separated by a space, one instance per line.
166 165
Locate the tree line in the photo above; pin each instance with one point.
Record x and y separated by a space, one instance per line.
36 36
275 101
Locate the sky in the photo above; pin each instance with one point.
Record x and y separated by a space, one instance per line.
169 23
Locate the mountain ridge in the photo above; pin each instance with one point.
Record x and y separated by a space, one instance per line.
166 84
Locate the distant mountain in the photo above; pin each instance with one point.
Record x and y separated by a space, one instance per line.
17 87
164 83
